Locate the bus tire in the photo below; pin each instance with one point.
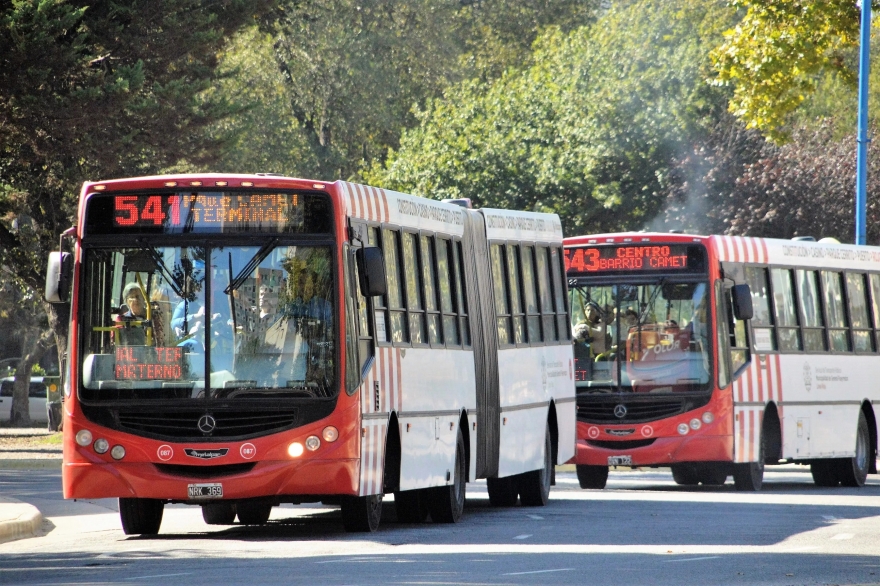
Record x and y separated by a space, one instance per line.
749 476
362 514
141 516
534 486
218 513
253 513
684 475
411 506
854 471
502 491
592 476
446 503
824 473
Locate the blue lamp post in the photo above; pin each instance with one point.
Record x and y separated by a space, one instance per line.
862 156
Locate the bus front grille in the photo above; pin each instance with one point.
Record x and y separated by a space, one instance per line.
591 409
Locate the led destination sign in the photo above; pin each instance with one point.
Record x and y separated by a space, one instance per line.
635 259
173 213
148 363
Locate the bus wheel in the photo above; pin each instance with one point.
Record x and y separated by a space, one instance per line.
140 516
446 503
361 514
684 475
218 513
854 471
253 513
592 476
534 486
411 506
502 491
749 477
824 472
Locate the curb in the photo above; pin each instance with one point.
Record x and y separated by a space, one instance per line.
18 520
30 464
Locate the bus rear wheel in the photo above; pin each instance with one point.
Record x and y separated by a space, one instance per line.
446 503
502 491
534 486
362 514
218 513
854 471
141 516
411 506
592 476
253 513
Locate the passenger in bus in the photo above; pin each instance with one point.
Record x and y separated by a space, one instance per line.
594 331
133 312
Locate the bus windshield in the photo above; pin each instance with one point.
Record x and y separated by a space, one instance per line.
642 338
207 322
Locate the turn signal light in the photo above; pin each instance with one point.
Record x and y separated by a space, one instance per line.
708 417
118 452
84 437
683 428
313 443
101 446
330 434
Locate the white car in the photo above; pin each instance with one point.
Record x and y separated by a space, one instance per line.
36 398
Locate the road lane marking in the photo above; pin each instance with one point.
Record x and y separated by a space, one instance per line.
710 557
158 576
538 572
535 517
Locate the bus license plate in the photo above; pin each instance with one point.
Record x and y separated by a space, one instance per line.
205 491
620 460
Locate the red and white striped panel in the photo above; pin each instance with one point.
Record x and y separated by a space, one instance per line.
758 385
386 372
742 249
368 203
372 456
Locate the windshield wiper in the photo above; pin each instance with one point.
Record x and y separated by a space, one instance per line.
252 264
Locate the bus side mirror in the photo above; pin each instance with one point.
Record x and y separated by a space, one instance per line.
371 271
58 277
742 302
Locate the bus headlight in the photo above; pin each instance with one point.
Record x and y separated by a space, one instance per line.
101 446
84 437
118 452
313 443
330 433
708 417
696 424
295 450
683 428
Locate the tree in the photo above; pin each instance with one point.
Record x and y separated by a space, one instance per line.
97 90
777 54
586 129
329 85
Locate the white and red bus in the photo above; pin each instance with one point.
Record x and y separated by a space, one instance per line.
717 355
241 341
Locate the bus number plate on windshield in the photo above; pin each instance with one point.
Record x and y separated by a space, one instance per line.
620 460
205 491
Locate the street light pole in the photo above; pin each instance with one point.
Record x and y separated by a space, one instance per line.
862 154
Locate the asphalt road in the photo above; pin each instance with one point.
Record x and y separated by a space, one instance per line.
642 529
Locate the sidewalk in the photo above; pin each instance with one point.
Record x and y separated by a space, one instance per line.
21 449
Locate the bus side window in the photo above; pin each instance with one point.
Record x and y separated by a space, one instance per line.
811 311
559 288
502 307
445 276
548 317
858 313
722 336
460 294
514 270
358 341
762 322
838 328
391 249
432 308
412 279
380 309
875 303
787 326
533 317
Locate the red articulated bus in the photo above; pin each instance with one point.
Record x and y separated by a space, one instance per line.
242 341
716 355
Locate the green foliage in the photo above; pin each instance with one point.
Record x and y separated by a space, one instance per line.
586 131
334 83
779 52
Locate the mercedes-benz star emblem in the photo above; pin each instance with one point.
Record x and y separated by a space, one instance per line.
620 411
207 423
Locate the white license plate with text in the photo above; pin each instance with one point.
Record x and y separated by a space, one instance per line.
620 460
212 490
